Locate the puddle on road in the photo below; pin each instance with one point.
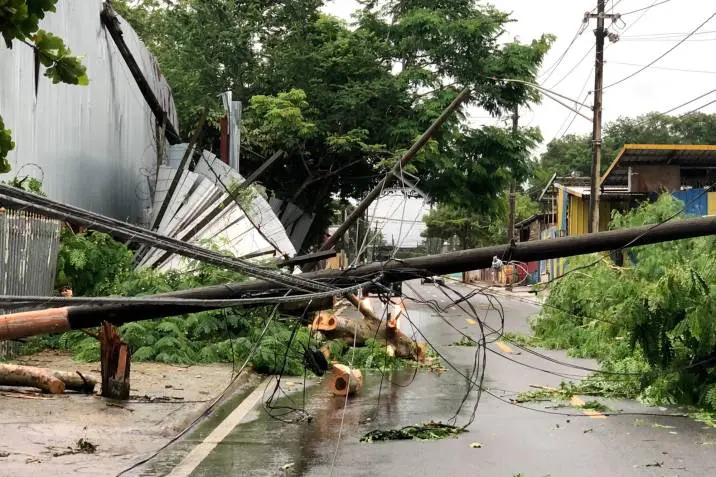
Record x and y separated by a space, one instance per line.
264 445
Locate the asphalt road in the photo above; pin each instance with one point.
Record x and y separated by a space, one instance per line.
531 441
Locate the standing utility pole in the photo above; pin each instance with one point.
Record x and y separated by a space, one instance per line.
513 185
600 33
597 121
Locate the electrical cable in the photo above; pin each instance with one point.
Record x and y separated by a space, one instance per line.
665 68
21 300
487 391
662 55
211 406
645 8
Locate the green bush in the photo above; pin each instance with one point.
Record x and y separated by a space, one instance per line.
654 316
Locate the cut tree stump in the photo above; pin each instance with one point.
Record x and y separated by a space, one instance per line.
115 364
16 375
345 381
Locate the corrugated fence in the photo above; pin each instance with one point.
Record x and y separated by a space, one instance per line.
29 245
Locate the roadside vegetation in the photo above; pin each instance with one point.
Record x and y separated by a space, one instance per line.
650 323
93 264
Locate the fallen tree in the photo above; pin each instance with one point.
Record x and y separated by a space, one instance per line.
361 330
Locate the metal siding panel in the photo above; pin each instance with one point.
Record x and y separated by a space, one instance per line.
697 202
93 146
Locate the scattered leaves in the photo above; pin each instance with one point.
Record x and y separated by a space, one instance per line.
426 432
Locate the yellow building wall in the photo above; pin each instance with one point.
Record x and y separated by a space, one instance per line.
560 207
711 198
578 216
605 215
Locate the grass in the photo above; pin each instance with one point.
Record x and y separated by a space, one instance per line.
521 339
595 405
465 341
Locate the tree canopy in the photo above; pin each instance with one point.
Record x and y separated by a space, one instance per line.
573 153
344 101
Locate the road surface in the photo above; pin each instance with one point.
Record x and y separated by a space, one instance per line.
532 442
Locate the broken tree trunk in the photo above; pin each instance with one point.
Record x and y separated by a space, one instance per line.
115 364
345 381
76 381
336 327
16 375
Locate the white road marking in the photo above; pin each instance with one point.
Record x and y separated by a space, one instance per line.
202 451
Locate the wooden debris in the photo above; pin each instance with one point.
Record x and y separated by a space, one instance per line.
364 330
115 364
16 375
345 380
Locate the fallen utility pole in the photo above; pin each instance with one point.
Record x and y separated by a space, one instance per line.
395 172
54 320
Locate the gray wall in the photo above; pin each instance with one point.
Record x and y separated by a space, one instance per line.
94 145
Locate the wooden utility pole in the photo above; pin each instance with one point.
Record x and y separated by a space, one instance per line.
600 33
513 184
57 320
394 173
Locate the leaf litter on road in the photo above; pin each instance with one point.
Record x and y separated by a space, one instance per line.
431 431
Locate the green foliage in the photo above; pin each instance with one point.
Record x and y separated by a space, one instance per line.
573 153
61 66
465 341
521 339
653 318
595 406
6 145
432 431
329 95
92 263
473 228
29 184
20 20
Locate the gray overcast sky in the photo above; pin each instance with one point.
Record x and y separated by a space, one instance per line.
655 89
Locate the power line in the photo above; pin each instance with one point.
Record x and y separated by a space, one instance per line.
665 68
662 55
550 71
645 8
656 40
699 108
663 35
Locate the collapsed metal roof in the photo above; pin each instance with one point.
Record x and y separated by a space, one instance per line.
197 213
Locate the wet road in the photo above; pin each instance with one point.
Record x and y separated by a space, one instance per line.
515 440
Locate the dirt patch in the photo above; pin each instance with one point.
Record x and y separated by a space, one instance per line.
39 429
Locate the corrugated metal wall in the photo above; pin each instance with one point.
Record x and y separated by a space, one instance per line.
28 258
695 201
94 146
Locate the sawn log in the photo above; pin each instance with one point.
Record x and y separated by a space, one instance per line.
337 327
